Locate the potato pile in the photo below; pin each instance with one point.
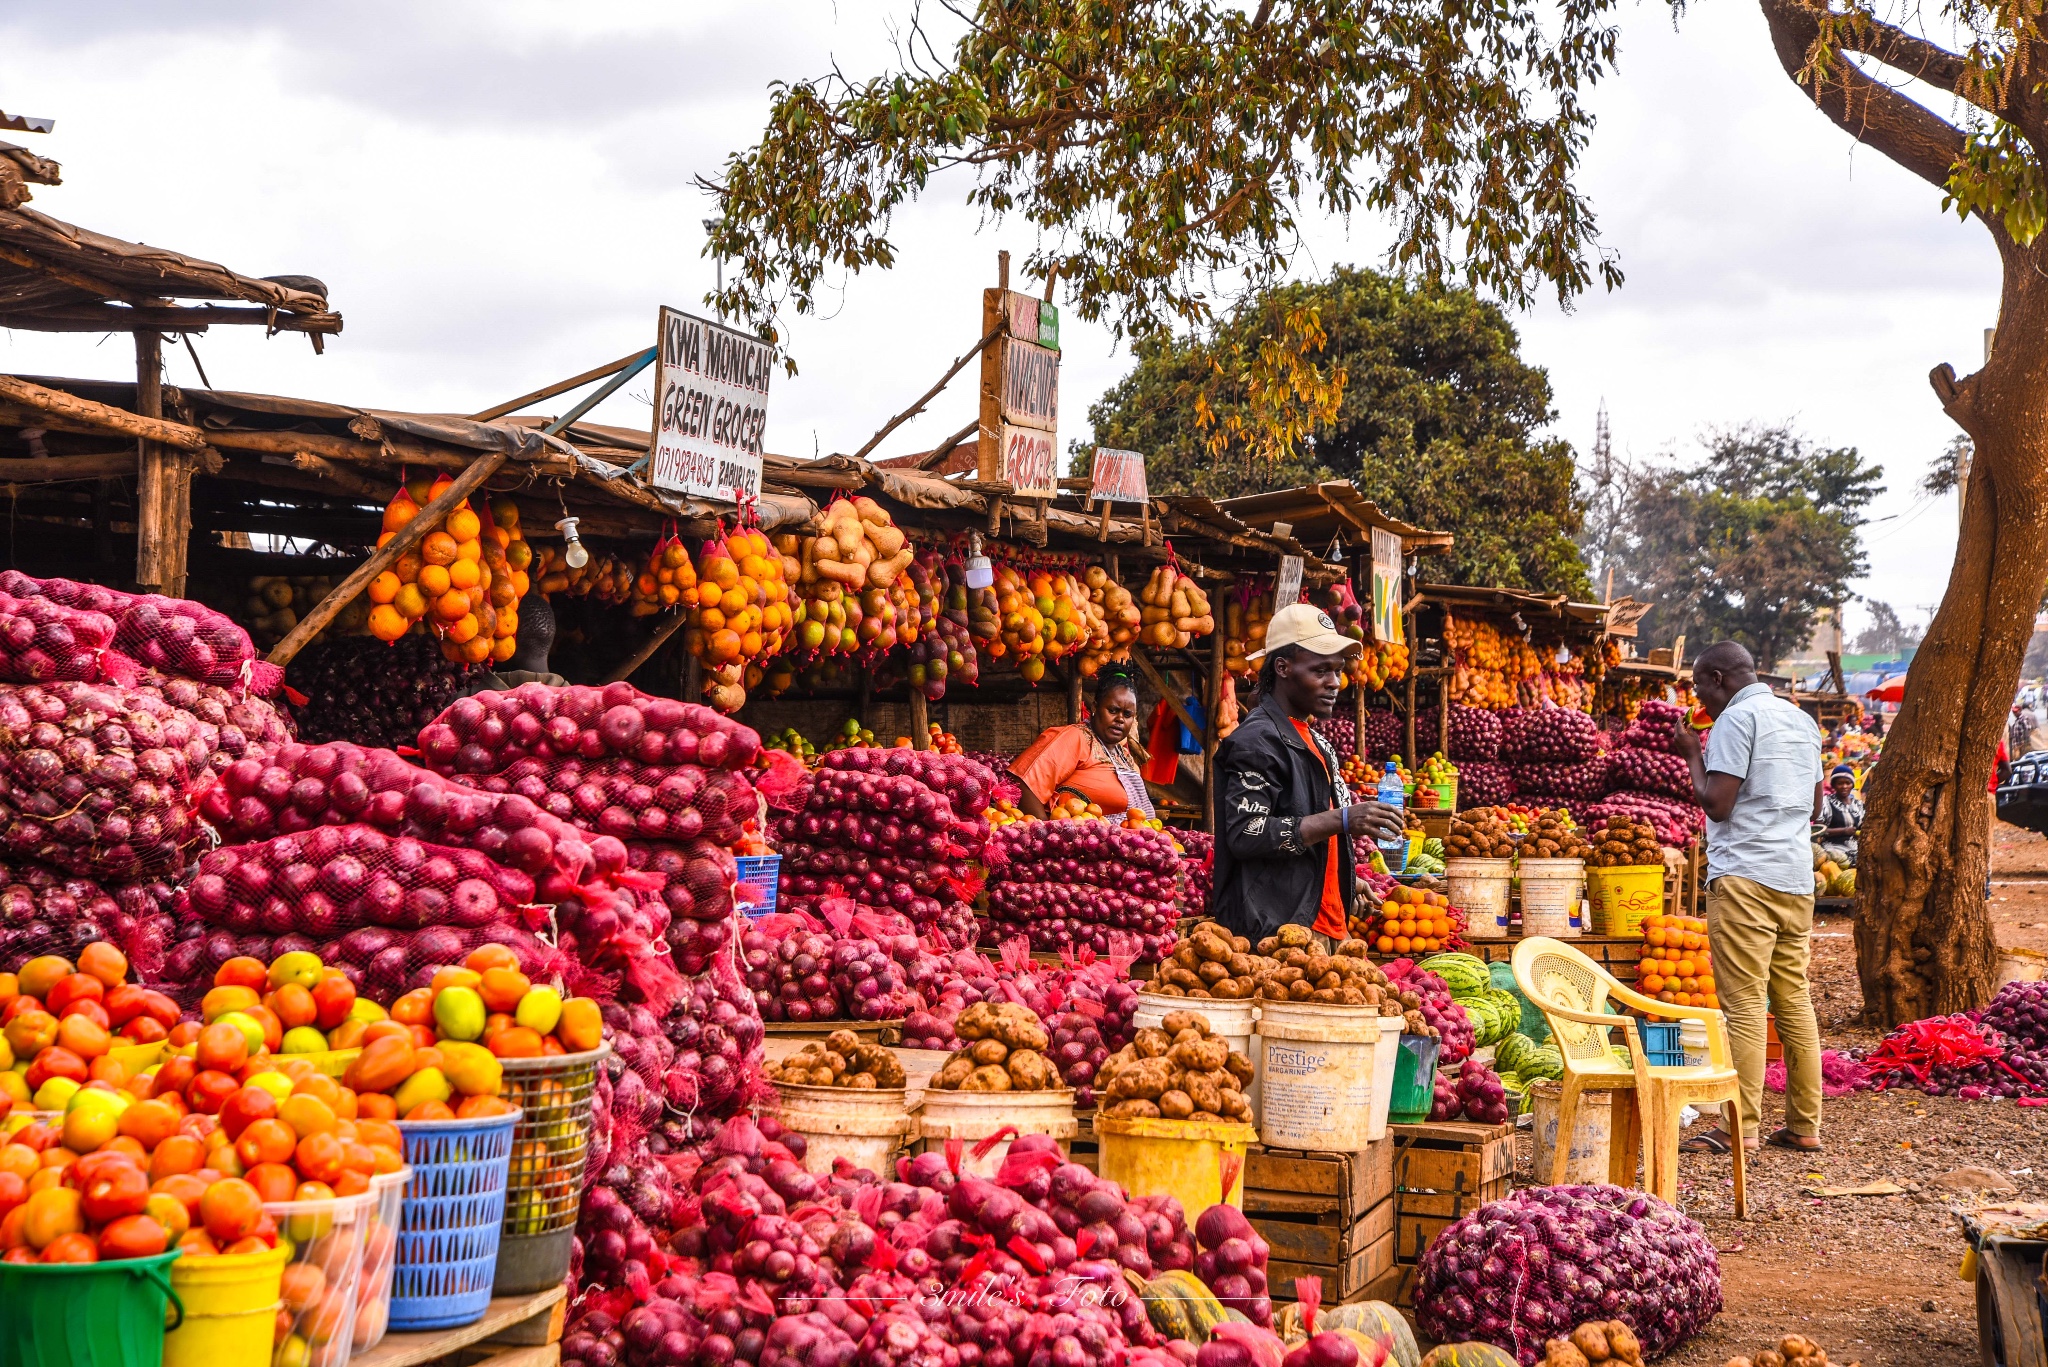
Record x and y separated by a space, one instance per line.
1179 1071
1211 963
1481 833
1552 836
1004 1052
843 1060
1617 842
1594 1342
1174 609
1302 973
1793 1350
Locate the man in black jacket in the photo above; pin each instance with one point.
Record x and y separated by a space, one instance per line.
1284 816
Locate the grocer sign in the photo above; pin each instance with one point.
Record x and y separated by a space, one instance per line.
1117 477
1030 465
710 409
1386 586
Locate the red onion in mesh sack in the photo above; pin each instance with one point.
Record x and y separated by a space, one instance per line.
697 893
42 641
1341 732
176 635
1654 771
487 733
99 780
1197 871
1475 733
1677 821
246 726
1070 883
1584 780
631 800
1547 734
1534 1265
1438 1009
716 1030
1651 729
1484 783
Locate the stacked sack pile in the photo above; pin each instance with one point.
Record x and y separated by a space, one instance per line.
1646 780
117 711
1554 756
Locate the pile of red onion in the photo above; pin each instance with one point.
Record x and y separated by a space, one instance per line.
1579 780
1677 820
1197 871
892 831
1475 733
1069 884
1484 783
1651 729
1632 770
175 635
1548 734
1453 1027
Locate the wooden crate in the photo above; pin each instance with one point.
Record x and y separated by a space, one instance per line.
1443 1172
1617 956
1327 1215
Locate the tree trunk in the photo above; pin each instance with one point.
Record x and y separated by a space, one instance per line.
1923 929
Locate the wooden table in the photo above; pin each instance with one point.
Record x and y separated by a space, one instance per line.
516 1331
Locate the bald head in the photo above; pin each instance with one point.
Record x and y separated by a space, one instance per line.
1721 671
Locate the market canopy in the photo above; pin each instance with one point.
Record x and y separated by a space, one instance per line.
1331 512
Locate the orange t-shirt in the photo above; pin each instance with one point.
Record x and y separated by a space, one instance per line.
1330 915
1064 757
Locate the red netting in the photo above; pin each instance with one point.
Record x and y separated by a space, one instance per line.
176 635
386 909
1076 883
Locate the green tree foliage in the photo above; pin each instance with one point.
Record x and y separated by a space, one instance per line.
1750 543
1886 634
1437 421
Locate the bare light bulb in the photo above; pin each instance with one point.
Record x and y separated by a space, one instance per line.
572 553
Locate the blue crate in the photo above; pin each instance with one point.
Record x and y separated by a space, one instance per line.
763 873
1662 1044
449 1221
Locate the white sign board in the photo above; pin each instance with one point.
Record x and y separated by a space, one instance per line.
1117 477
1386 587
1287 588
710 409
1030 465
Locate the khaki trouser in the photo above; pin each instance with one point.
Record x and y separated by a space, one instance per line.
1759 937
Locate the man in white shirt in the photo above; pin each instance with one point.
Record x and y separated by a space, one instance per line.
1760 783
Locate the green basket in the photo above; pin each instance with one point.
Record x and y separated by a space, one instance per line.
1414 1080
87 1314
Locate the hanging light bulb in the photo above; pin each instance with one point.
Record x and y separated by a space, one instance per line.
980 574
1564 654
572 553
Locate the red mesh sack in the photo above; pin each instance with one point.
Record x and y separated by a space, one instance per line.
487 733
100 780
630 800
43 642
246 726
1076 883
172 634
386 909
697 894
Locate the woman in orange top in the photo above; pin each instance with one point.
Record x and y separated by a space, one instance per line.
1091 759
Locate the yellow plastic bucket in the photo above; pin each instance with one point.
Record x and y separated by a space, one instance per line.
1178 1158
231 1305
1624 897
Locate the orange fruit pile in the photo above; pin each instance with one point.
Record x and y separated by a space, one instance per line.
668 576
1411 921
743 612
1676 966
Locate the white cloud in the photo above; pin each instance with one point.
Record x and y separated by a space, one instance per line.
501 195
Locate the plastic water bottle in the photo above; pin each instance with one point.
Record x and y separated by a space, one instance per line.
1393 851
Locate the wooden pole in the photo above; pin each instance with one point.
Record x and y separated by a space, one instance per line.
150 472
573 382
1074 695
1358 716
646 652
386 555
1218 681
1166 691
147 425
920 720
693 678
1409 727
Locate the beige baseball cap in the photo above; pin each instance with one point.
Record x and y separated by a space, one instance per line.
1307 626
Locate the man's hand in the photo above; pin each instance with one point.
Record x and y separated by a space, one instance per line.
1685 742
1375 820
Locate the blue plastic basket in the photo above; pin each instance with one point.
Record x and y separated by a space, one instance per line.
762 873
449 1221
1662 1044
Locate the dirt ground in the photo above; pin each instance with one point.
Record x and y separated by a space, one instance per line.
1871 1278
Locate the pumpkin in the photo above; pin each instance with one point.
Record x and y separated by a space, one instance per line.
1179 1305
1468 1355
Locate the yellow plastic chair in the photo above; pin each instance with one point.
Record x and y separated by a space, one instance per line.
1572 991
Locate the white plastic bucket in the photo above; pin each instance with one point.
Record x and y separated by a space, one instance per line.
864 1126
1327 1075
1692 1038
1234 1022
1550 897
1479 888
974 1116
1592 1132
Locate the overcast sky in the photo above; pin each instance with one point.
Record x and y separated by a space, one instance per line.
501 195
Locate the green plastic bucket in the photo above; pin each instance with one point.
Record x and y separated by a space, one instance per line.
87 1314
1414 1080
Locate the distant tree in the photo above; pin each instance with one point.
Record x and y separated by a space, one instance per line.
1886 634
1436 418
1750 543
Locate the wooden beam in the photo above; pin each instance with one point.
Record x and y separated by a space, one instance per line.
654 642
920 720
164 318
1218 681
146 425
408 536
573 382
52 469
151 472
75 279
1168 692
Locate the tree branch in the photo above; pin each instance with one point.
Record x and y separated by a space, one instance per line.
1872 113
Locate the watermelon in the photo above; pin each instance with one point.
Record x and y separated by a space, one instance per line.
1486 1021
1509 1053
1465 974
1544 1062
1508 1005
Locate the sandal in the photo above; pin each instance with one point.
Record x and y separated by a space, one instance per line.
1706 1141
1785 1139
